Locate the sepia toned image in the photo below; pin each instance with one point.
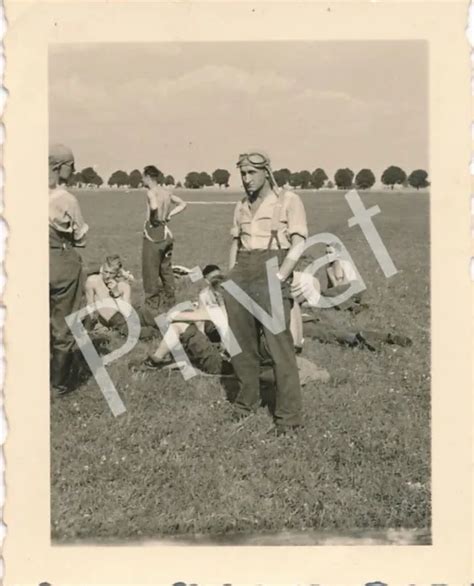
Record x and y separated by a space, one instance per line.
193 187
238 344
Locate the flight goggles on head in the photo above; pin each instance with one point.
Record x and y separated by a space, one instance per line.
259 160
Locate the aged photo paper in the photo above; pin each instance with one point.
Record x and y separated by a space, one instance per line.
254 365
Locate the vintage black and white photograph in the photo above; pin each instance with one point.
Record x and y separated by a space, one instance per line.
239 293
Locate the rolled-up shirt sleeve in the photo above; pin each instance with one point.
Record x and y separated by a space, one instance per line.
235 230
79 227
296 215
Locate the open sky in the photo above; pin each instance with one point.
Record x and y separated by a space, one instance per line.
196 106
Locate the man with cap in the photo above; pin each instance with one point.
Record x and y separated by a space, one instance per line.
67 231
268 222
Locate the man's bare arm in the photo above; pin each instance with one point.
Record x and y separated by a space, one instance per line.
180 205
89 290
292 257
191 316
234 248
124 291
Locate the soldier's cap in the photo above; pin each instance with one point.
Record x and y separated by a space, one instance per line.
256 158
59 154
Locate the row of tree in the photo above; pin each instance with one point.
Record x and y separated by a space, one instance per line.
195 179
346 178
135 179
87 176
343 178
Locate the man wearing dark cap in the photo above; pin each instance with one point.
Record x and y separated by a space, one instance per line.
268 222
67 231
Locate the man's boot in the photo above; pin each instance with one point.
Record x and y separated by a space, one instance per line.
60 371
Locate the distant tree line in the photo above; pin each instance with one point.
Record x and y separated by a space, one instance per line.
134 179
88 176
196 179
344 178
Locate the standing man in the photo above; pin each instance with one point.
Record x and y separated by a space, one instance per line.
268 222
67 231
157 270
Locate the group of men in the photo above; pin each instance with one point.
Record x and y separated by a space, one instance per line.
269 226
68 281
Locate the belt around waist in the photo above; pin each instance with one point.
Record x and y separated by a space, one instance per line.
261 250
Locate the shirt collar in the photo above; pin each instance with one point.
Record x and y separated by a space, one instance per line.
269 198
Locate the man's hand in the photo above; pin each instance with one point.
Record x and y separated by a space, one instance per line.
305 288
112 286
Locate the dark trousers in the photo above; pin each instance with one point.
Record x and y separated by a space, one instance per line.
250 275
65 295
158 277
326 332
202 352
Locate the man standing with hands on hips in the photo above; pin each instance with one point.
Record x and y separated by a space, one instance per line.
157 269
268 222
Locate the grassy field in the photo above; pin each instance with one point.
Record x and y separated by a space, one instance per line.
173 465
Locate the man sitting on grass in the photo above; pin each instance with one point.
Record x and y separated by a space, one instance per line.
202 339
309 321
341 275
112 282
198 335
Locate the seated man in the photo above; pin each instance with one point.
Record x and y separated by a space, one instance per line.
319 325
198 335
340 274
111 282
201 338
